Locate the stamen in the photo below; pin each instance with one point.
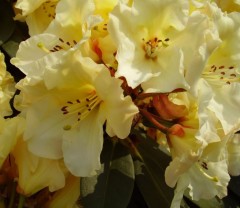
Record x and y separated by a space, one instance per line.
43 47
212 178
152 46
219 75
80 107
48 9
63 45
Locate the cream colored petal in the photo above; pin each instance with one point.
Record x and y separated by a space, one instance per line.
74 12
117 109
68 195
45 127
82 146
10 131
28 6
39 20
31 58
140 32
171 76
225 104
36 173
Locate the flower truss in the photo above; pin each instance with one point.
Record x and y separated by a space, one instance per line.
97 70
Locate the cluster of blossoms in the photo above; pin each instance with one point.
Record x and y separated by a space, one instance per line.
96 67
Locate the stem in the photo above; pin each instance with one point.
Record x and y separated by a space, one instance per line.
145 95
151 118
21 201
129 143
12 197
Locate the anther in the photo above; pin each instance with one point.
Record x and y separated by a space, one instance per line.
42 46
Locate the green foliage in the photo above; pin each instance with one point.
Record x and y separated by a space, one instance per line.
113 184
11 32
7 24
149 170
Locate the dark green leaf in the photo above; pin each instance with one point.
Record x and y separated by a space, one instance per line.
7 23
10 47
113 185
234 185
232 200
20 34
150 174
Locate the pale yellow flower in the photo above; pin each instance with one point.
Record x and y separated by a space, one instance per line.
218 84
79 96
142 35
71 26
198 152
206 178
185 147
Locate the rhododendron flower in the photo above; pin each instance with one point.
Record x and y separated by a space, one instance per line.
206 178
80 96
220 79
143 42
194 157
153 51
72 24
198 157
185 147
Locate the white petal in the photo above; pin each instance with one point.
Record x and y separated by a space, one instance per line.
82 146
225 104
171 76
44 128
117 109
70 12
28 6
202 187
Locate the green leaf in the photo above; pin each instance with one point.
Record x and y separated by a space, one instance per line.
12 44
10 47
234 185
7 23
233 197
113 185
150 170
